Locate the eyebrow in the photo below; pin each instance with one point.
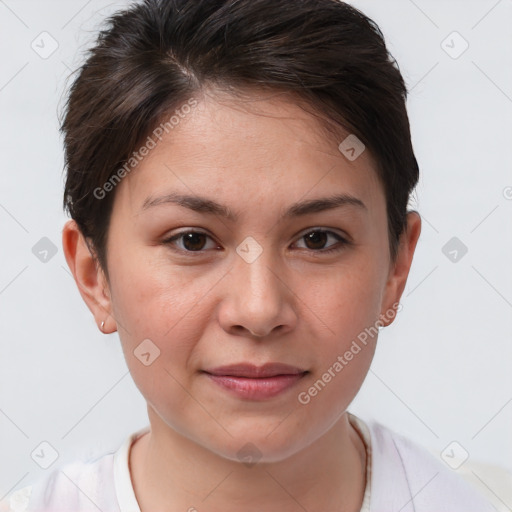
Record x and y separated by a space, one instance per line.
206 205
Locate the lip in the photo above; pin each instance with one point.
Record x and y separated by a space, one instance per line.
251 382
249 370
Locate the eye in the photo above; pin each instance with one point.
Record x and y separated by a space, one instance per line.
193 241
317 238
196 241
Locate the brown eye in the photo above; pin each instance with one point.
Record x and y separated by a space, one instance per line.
317 239
191 241
194 241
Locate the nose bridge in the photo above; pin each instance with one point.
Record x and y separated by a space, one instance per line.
259 286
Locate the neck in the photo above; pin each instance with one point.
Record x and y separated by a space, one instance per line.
171 472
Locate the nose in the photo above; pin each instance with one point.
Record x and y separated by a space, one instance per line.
257 299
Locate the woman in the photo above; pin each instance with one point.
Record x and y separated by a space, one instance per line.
238 174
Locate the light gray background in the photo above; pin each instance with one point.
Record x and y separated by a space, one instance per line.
442 371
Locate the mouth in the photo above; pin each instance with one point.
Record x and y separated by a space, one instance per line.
252 382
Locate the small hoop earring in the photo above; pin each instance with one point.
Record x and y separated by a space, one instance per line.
102 325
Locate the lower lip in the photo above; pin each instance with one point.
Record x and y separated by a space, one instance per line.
256 389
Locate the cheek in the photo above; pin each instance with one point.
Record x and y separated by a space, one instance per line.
348 307
164 306
345 300
155 297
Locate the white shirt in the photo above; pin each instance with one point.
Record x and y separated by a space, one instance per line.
401 476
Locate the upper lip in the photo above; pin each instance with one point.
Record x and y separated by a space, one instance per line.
252 371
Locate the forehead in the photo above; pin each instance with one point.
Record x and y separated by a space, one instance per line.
259 149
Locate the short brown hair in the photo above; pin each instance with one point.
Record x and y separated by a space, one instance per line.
155 55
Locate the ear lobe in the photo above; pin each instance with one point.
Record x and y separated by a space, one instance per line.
89 277
399 272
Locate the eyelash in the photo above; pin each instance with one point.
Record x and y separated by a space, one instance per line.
342 242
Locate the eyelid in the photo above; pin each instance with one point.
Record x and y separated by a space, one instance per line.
324 229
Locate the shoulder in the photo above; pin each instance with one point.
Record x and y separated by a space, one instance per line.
80 486
420 481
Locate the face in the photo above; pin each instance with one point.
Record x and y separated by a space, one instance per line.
263 276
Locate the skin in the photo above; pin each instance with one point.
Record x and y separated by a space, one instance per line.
293 304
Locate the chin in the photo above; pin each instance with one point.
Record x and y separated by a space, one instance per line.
252 446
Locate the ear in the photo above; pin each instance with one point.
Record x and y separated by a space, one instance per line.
399 271
89 277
